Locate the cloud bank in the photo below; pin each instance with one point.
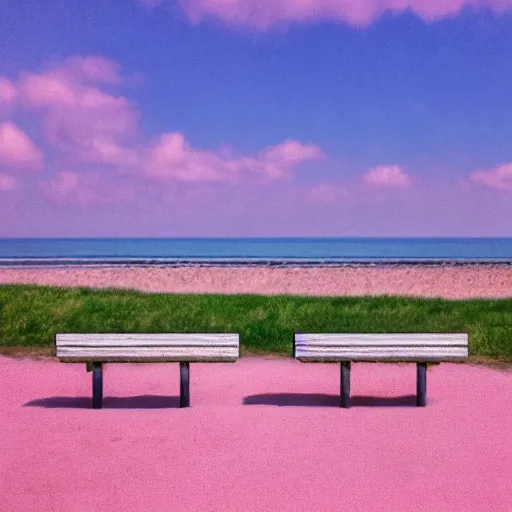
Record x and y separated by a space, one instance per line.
96 141
499 178
265 14
7 92
387 177
17 151
172 158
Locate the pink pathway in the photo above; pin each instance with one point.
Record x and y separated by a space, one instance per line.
261 435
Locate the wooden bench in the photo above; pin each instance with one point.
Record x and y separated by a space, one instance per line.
97 349
347 348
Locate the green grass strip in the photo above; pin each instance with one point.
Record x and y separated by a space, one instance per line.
30 316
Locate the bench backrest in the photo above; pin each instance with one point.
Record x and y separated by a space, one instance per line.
377 347
147 347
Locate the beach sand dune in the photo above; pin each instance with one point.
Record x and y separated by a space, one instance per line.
261 435
454 282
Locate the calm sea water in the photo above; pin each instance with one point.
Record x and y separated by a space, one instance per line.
257 251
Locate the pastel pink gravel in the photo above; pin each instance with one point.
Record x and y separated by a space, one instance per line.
261 435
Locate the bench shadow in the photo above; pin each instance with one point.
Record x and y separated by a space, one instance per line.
324 400
109 402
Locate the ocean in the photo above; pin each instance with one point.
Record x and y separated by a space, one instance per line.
253 251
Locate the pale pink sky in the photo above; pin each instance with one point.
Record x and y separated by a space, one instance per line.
77 159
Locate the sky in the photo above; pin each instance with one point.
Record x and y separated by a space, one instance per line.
255 118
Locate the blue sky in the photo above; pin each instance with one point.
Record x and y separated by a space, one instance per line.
389 120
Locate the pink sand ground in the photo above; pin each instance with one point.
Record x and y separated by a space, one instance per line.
440 281
261 435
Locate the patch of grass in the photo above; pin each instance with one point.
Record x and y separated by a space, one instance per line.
31 316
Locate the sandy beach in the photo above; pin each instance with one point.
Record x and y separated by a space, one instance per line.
453 282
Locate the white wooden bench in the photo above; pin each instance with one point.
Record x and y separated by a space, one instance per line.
97 349
347 348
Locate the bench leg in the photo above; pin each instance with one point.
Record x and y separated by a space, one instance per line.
184 384
97 386
345 385
421 384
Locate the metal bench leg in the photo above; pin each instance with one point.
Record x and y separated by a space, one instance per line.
184 384
421 384
97 386
345 385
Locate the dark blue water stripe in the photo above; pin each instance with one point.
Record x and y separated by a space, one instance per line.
253 262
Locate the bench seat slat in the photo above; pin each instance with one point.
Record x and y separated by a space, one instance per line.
128 340
349 339
376 357
373 347
209 347
141 355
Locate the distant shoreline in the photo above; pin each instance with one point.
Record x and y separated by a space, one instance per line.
34 263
